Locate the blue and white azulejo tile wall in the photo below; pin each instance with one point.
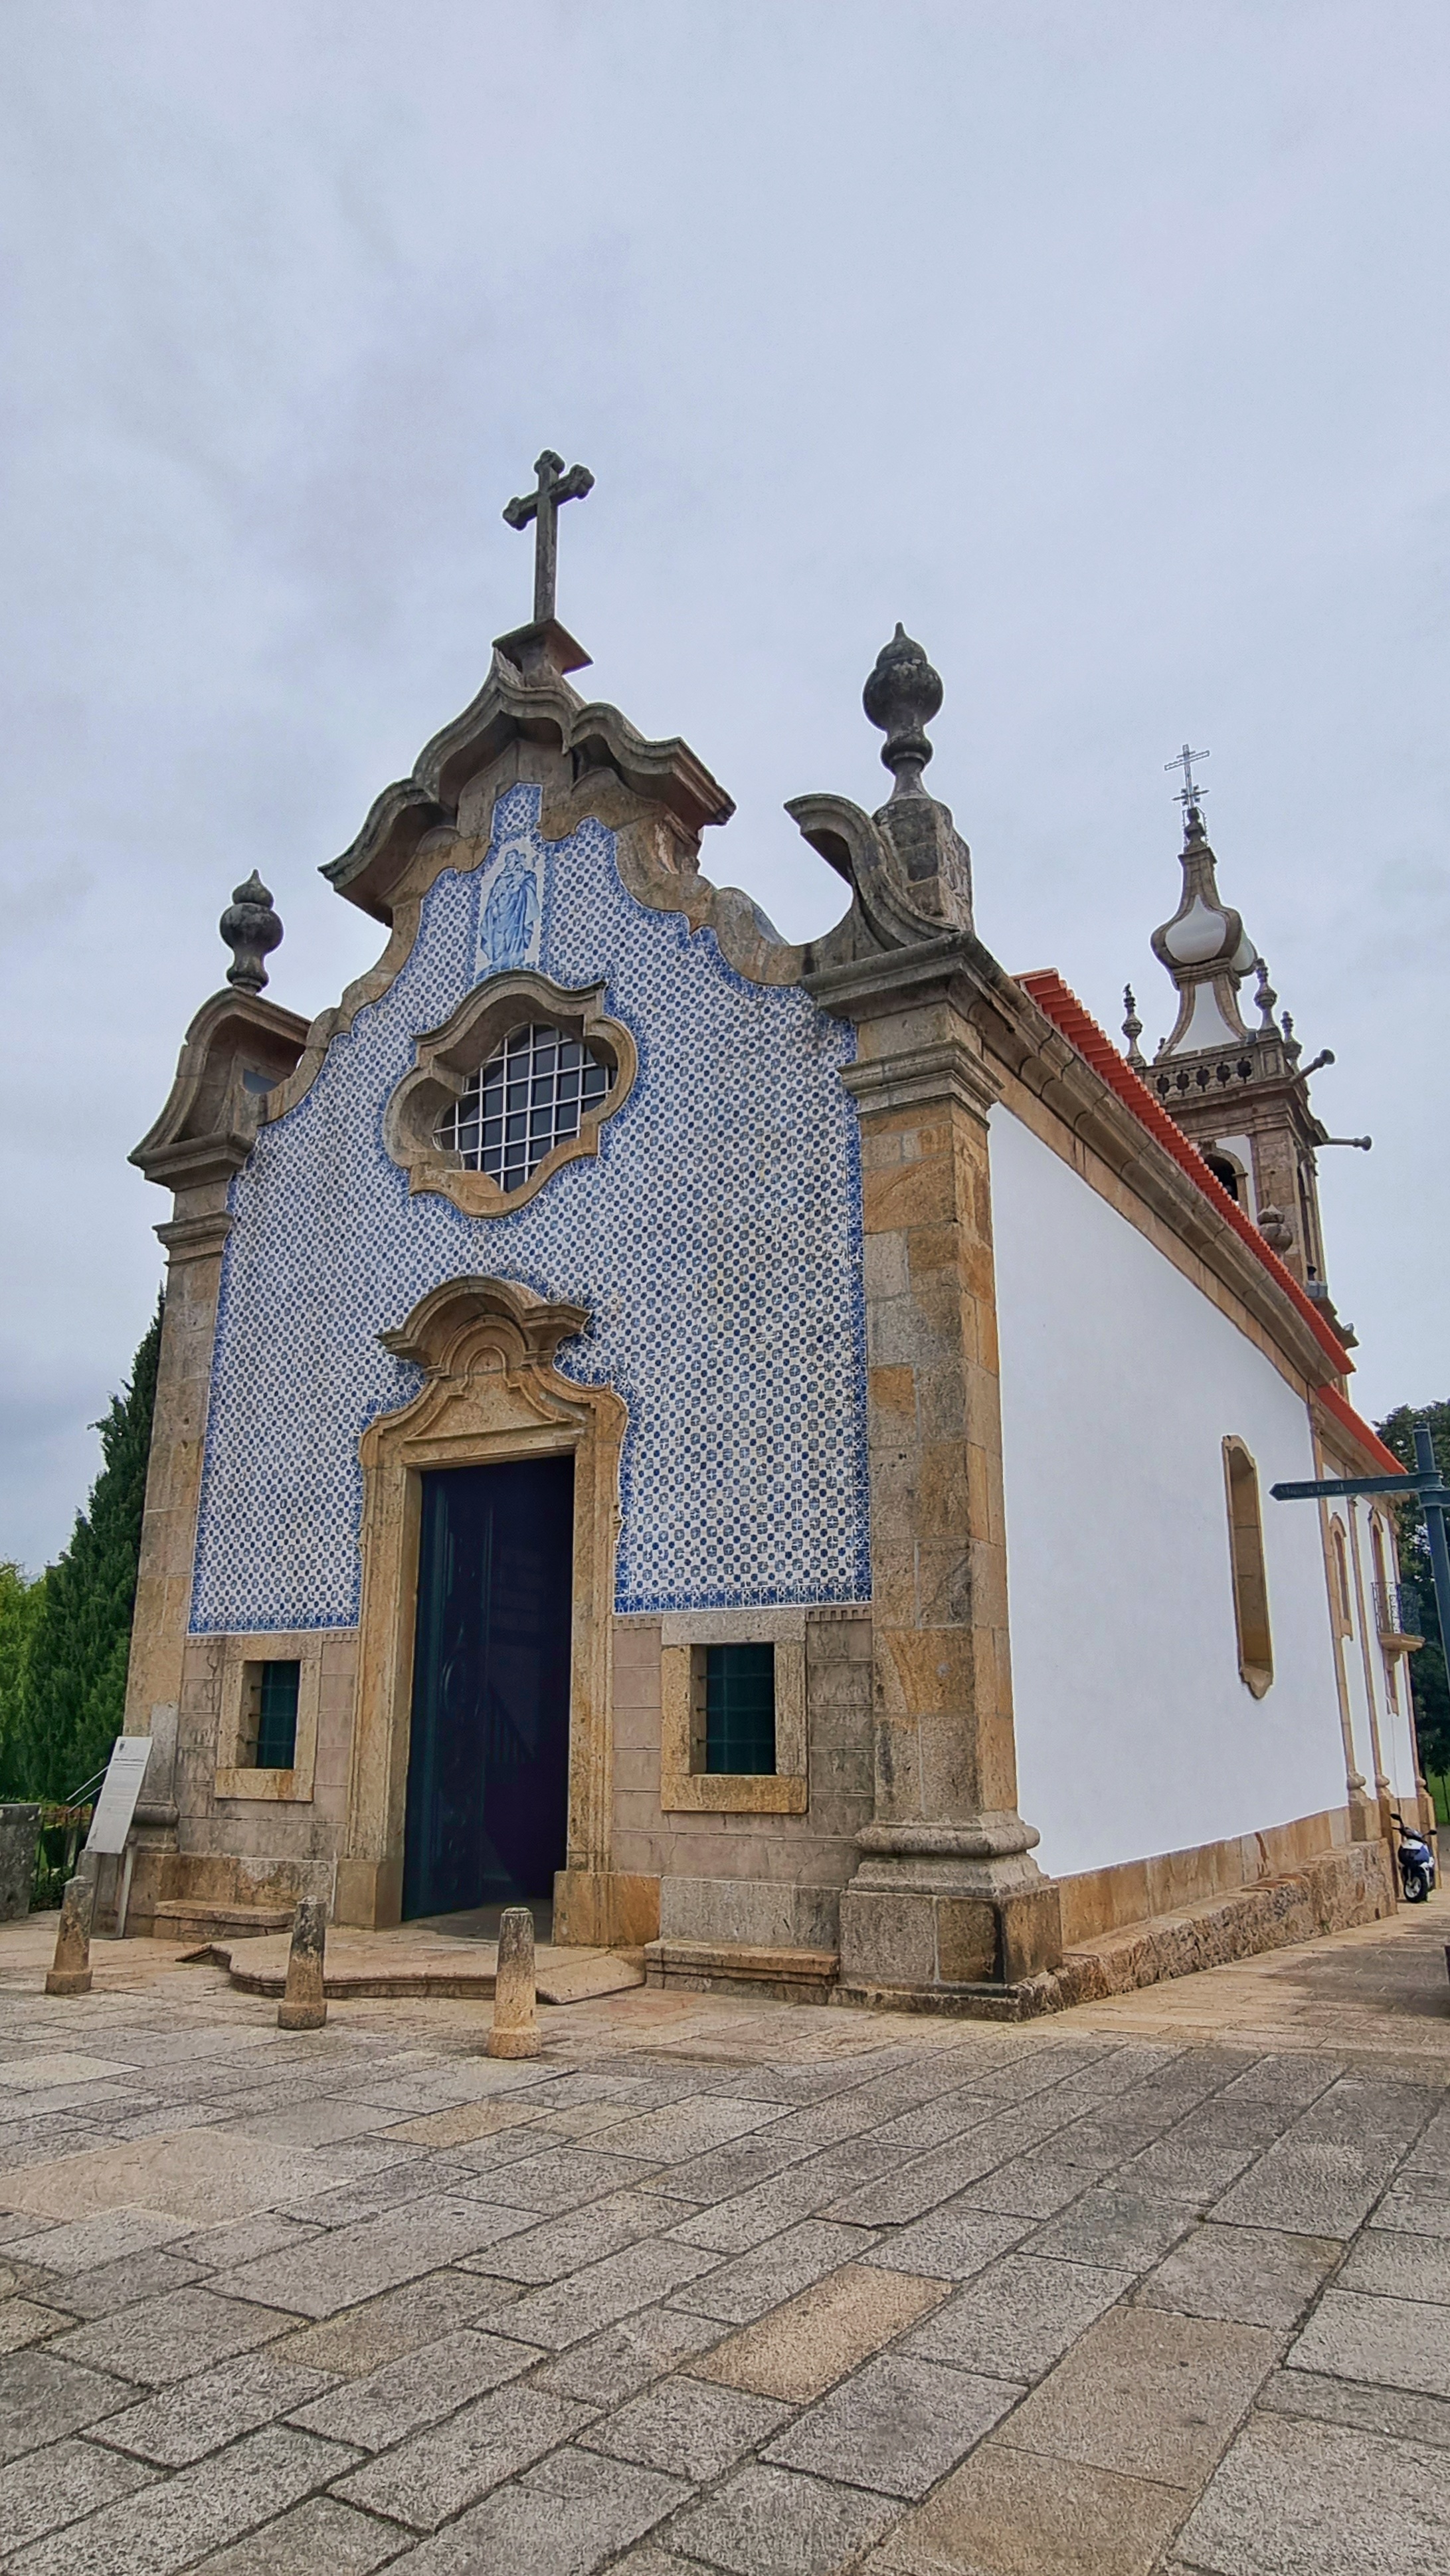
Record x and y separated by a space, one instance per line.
715 1241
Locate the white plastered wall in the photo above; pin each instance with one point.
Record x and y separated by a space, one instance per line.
1363 1650
1120 1381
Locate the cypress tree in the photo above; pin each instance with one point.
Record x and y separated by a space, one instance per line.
74 1691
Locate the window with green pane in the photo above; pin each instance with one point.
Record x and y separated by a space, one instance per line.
740 1708
274 1712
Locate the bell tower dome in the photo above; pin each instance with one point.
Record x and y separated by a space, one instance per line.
1238 1092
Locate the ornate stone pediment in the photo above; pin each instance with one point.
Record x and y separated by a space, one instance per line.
481 1327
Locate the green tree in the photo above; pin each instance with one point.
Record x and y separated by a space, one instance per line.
1427 1668
73 1691
20 1600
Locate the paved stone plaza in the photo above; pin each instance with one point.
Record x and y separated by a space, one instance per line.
1164 2284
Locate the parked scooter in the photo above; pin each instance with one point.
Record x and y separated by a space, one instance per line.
1417 1863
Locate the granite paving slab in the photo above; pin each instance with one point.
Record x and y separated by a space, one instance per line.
24 2321
179 2173
351 2263
429 2478
1146 2394
1396 2343
199 2414
1016 2318
1301 2498
1404 2414
102 2238
567 2517
416 2389
360 2339
954 2242
584 2235
600 2293
320 2534
1250 2276
113 2285
170 2524
173 2337
60 2483
1390 2263
736 2292
612 2365
896 2426
1009 2513
688 2427
801 2348
774 2522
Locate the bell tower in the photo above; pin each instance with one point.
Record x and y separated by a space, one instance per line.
1239 1093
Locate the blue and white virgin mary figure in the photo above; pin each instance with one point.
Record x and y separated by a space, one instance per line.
510 913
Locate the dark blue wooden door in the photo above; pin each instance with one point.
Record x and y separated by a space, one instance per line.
488 1762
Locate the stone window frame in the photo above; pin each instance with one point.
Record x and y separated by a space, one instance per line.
1249 1573
236 1779
445 1058
1339 1569
685 1785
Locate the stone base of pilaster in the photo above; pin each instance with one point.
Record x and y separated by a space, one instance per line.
967 1950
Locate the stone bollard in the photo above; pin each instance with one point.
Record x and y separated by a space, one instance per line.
304 2004
515 2031
70 1973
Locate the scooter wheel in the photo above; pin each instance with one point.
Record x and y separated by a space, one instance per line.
1416 1886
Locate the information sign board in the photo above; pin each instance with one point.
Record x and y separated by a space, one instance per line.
116 1805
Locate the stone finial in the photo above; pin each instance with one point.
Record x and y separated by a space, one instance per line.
1133 1029
1276 1230
251 930
900 698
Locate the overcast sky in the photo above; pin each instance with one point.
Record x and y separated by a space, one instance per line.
1106 346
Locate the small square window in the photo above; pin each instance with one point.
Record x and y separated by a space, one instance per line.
740 1708
269 1716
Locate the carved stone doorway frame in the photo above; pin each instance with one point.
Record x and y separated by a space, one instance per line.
492 1394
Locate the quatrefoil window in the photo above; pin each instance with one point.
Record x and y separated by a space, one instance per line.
527 1099
516 1084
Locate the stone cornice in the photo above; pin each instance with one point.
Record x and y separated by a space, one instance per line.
195 1238
236 1046
914 1077
1019 1036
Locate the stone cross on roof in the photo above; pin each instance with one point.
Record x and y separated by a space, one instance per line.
555 486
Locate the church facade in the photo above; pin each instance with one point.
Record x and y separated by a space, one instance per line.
767 1447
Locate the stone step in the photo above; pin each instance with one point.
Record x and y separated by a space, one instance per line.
701 1967
424 1968
181 1918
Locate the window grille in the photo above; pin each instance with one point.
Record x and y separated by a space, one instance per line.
527 1099
272 1714
740 1708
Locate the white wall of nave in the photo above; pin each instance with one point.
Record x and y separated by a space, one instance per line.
1120 1381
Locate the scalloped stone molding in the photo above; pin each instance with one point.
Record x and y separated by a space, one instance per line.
449 1055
